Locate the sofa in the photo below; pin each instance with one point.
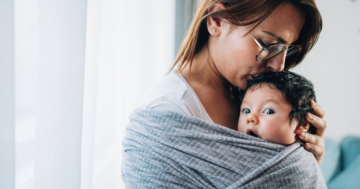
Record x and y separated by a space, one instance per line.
341 163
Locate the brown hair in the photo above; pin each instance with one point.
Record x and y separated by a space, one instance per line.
249 12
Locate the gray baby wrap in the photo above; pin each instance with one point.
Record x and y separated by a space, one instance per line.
165 149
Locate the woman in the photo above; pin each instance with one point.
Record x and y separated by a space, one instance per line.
229 42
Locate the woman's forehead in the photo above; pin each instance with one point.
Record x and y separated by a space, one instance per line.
285 22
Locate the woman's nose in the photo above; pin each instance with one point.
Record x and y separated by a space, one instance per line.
276 63
252 119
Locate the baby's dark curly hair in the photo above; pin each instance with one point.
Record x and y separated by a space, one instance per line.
296 89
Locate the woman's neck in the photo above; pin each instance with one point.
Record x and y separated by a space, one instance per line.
213 90
204 72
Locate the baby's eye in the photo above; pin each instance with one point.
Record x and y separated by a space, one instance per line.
246 111
269 111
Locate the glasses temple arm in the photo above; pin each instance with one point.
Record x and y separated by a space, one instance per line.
257 42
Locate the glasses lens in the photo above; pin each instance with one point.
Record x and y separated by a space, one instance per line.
270 51
275 49
292 50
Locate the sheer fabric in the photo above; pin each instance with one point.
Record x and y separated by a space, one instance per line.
70 74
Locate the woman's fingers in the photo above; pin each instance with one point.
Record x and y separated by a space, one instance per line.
309 138
302 129
316 150
317 109
314 144
317 122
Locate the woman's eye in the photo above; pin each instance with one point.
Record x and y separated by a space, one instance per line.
246 111
262 42
273 48
269 111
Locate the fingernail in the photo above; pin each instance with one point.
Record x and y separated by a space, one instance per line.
309 147
302 135
310 116
313 104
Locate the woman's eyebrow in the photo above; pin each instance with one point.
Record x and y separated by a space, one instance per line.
281 40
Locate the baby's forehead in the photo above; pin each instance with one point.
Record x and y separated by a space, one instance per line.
264 92
259 85
264 88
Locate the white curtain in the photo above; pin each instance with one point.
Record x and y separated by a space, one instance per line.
70 74
7 95
42 75
129 45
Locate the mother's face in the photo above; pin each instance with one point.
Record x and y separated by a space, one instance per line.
234 52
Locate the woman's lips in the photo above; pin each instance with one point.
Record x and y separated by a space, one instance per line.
251 77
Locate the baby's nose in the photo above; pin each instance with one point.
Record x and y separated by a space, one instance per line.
252 118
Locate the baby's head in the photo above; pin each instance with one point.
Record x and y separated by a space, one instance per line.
274 105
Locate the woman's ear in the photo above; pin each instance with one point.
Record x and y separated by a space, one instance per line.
215 24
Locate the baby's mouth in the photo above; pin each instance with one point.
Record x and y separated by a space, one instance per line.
250 132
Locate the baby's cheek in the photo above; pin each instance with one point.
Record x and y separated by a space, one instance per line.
270 134
287 137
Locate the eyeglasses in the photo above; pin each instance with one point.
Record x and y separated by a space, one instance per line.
269 51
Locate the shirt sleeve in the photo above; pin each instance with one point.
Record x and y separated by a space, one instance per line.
167 103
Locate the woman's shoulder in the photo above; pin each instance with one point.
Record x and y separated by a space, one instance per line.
171 93
167 86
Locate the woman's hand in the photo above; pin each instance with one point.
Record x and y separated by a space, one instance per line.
315 143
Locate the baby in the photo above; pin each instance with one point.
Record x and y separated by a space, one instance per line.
274 105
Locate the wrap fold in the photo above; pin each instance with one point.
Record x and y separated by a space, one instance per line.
164 149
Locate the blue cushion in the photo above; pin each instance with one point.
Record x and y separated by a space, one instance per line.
350 149
348 178
330 165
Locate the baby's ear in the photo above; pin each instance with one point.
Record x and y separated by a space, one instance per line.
302 128
307 126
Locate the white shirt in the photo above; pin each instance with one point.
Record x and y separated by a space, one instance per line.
173 93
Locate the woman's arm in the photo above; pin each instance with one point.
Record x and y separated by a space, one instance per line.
315 143
127 187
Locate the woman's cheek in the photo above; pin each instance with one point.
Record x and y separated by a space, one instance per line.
242 124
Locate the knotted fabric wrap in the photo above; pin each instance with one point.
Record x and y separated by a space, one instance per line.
165 149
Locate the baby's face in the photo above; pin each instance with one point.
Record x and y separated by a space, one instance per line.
265 114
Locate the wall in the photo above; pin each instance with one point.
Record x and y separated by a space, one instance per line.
334 66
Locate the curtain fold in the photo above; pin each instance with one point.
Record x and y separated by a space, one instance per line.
42 58
7 95
71 72
184 13
90 91
129 45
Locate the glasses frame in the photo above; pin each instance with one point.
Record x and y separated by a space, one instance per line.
285 47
